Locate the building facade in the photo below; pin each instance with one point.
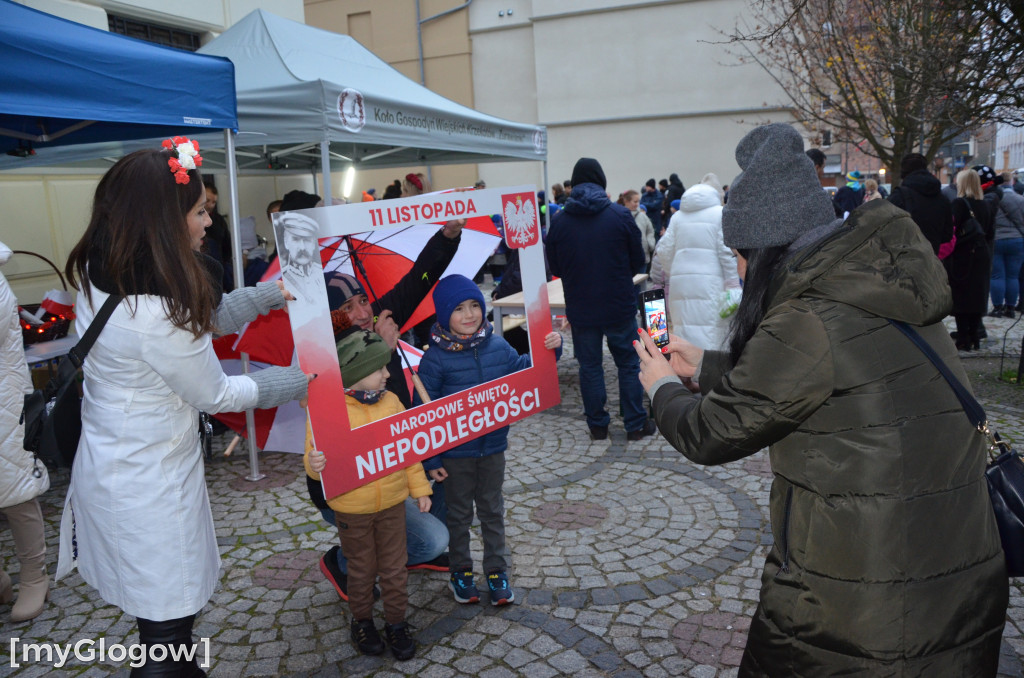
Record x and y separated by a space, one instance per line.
647 88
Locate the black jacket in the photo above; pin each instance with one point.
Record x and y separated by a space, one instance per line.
970 265
405 297
848 199
921 195
674 191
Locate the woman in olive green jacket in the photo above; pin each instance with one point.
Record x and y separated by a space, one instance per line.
886 558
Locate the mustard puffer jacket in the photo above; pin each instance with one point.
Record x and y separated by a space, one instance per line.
382 493
886 558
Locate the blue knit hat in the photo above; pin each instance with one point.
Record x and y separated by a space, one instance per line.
452 291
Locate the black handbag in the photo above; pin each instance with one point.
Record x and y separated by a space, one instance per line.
1005 471
53 414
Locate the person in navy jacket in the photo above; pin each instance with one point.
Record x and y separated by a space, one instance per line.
594 247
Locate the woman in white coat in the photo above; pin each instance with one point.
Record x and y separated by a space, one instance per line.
137 519
22 476
701 268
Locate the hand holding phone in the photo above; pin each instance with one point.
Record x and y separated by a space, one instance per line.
654 317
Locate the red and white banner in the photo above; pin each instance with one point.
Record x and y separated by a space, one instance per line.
358 456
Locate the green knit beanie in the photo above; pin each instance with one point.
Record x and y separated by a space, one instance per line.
360 354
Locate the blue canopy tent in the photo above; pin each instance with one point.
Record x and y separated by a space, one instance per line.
62 83
65 88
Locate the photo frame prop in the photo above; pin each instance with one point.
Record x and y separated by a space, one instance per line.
359 456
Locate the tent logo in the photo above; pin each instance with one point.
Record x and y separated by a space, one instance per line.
519 212
351 110
540 141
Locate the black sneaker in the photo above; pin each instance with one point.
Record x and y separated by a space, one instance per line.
997 312
402 644
366 637
439 564
646 430
329 566
338 579
599 433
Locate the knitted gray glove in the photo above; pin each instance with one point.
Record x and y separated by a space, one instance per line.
245 304
278 385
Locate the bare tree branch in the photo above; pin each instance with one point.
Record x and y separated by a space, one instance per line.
889 75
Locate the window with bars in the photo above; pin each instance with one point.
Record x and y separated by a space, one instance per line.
161 35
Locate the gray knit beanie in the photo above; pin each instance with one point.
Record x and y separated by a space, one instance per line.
776 197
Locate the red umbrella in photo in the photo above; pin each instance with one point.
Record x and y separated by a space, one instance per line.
378 259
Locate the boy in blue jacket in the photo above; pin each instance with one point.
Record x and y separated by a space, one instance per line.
463 354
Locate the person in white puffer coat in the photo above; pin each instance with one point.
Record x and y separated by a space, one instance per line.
22 476
701 268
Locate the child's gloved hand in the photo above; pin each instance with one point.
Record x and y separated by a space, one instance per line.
552 340
317 461
424 503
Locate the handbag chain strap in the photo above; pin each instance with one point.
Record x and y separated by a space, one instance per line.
972 408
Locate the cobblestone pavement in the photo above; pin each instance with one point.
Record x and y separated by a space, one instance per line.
628 561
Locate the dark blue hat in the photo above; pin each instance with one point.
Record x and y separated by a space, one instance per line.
452 291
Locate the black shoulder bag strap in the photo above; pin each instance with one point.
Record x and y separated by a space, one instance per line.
1004 474
972 408
76 356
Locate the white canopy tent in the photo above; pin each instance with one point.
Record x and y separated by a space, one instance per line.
311 97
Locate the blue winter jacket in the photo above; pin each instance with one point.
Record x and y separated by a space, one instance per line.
446 372
594 247
652 203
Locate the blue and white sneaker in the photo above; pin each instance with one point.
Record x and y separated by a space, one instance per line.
464 588
501 592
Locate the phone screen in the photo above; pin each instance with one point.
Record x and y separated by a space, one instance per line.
655 321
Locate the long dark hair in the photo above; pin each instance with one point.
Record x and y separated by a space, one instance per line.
138 236
762 265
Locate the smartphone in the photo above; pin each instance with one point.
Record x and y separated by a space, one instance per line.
654 318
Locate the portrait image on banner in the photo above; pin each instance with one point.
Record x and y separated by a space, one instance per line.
356 233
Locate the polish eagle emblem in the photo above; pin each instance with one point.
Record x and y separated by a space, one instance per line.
520 218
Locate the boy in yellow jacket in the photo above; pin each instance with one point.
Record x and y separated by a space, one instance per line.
371 518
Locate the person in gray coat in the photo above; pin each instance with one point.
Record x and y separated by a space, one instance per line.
1008 253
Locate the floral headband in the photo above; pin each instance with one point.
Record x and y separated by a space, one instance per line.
188 157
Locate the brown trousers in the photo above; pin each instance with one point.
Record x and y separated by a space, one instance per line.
374 544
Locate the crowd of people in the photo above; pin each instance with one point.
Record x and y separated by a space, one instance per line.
780 299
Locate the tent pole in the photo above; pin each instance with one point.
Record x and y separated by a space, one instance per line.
325 167
547 212
236 261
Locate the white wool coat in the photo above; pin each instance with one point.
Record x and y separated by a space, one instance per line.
647 238
700 266
22 476
137 514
